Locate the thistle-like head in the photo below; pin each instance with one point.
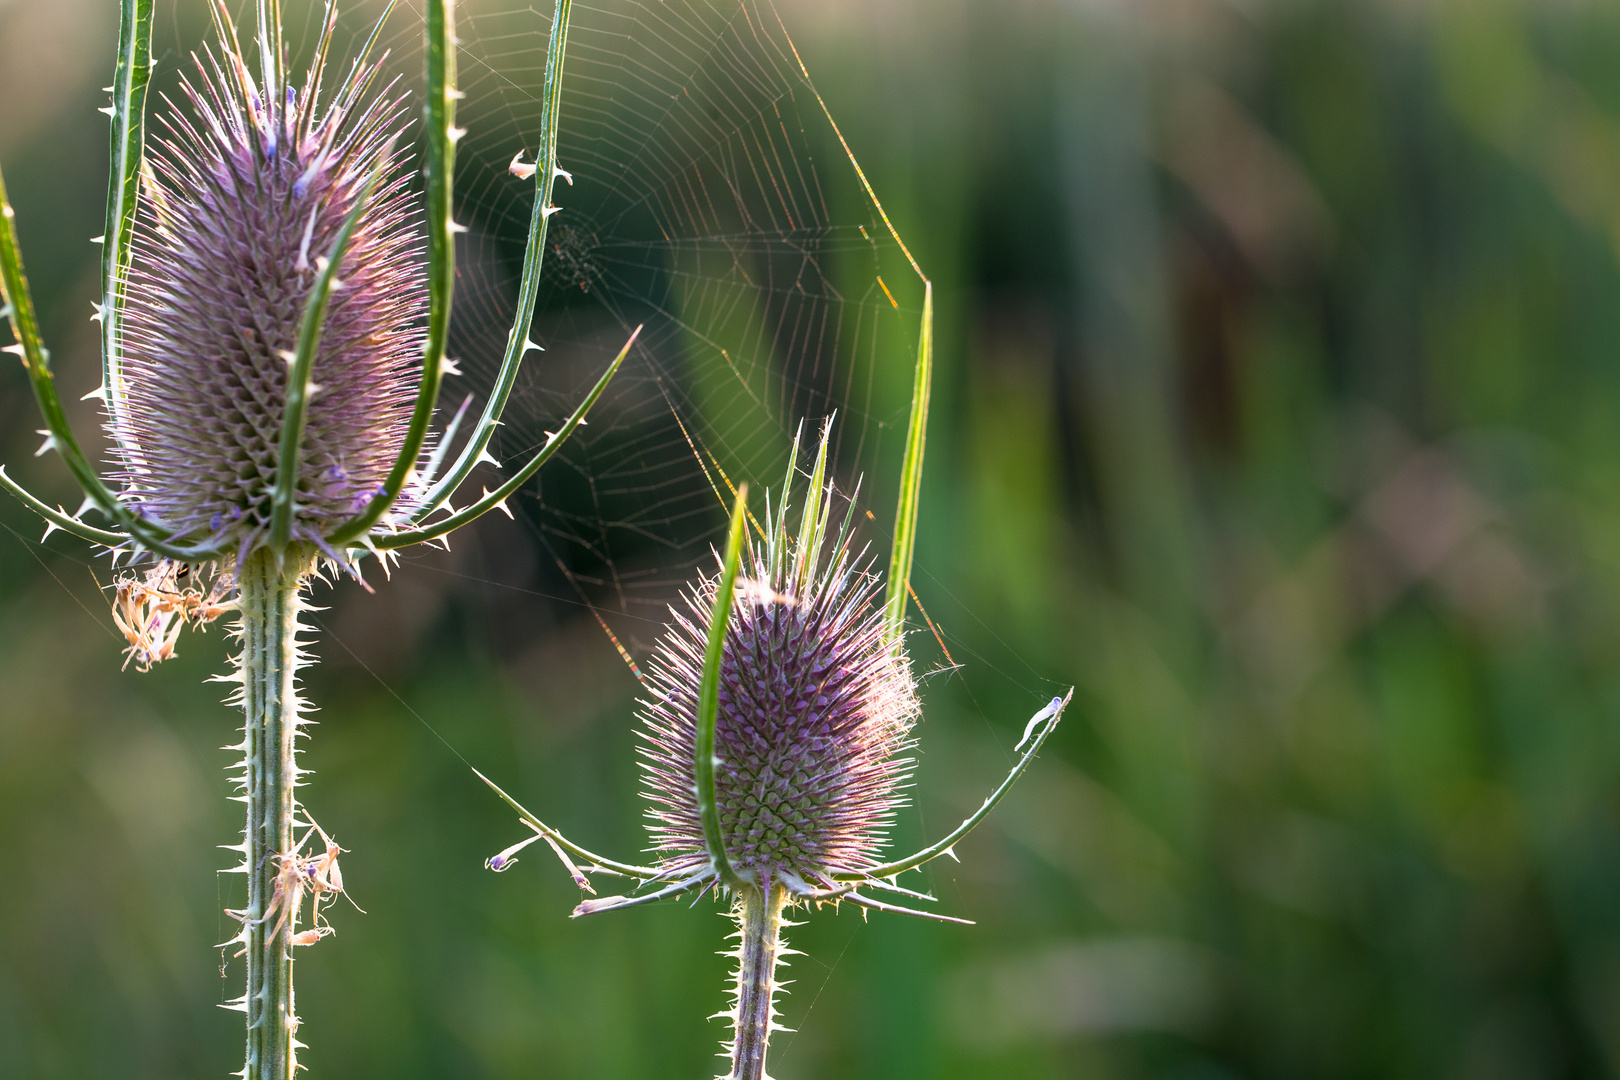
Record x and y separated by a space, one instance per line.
256 398
814 715
241 205
777 711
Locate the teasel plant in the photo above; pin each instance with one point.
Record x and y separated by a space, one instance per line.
274 317
776 721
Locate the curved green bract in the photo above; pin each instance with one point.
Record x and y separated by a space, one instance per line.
491 500
59 519
1048 718
296 414
18 305
131 73
644 873
709 694
774 534
813 525
517 341
905 518
130 76
440 167
36 359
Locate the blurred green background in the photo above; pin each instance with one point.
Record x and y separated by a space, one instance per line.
1278 411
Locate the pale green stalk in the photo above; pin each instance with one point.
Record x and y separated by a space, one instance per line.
268 605
759 925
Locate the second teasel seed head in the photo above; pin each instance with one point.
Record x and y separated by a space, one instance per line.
815 714
778 709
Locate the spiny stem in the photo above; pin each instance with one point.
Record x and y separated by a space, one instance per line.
760 927
269 584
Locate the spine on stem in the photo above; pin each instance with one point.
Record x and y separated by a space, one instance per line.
269 600
760 950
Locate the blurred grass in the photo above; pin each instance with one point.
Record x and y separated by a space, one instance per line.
1278 410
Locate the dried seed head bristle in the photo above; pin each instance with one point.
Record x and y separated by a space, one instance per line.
238 208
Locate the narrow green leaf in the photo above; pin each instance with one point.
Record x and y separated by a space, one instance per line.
18 303
1041 725
130 75
517 341
776 527
56 517
440 167
813 524
905 518
644 873
389 541
709 693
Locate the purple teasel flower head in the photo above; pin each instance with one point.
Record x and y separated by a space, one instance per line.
775 726
814 717
239 207
275 312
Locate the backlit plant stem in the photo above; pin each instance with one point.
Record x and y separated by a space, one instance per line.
759 923
269 604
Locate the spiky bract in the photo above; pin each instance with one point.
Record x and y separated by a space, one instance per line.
815 707
237 212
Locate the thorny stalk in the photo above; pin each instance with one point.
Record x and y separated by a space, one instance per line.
269 603
759 951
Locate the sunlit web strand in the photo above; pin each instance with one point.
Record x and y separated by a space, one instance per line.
713 202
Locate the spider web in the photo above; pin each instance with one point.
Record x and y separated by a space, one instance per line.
713 203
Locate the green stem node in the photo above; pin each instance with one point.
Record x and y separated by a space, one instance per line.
269 585
760 927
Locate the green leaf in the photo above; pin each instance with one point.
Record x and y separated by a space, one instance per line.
709 693
440 168
130 76
905 518
495 498
517 341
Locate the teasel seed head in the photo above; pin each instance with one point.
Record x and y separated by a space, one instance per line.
815 714
778 705
239 207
